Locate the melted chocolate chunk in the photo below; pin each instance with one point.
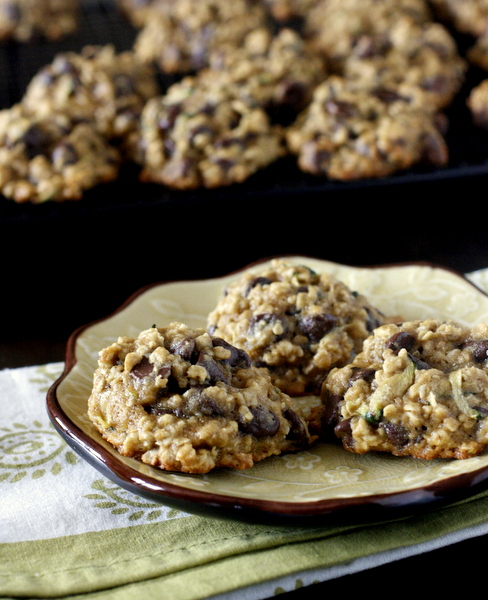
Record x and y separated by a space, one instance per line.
264 423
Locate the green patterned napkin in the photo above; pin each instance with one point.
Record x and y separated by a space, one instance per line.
67 531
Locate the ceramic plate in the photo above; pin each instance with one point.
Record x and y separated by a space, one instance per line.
322 480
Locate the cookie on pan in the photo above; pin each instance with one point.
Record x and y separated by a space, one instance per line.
204 136
179 399
424 55
351 132
51 158
28 20
179 41
277 70
97 84
339 28
418 388
295 322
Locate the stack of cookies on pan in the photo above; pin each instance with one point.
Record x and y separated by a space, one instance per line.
291 357
349 88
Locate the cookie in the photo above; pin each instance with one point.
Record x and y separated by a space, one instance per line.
338 28
199 135
467 16
51 158
27 20
97 84
180 40
295 322
179 399
416 54
477 103
418 388
348 132
278 71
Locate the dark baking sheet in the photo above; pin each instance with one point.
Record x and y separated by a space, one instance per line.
65 264
103 23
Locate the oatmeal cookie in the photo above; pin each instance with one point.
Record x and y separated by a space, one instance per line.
51 158
181 400
27 20
180 40
338 28
278 71
418 388
416 54
348 132
297 323
204 136
98 85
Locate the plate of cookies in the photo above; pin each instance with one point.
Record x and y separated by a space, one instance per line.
295 387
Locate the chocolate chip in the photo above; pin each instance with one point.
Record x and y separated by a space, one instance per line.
396 434
215 371
256 281
298 431
479 350
124 86
330 416
185 348
316 326
65 154
400 340
142 369
167 120
373 321
264 423
340 108
366 374
35 140
238 357
420 364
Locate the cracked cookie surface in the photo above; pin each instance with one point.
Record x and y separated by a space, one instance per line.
295 322
418 388
179 399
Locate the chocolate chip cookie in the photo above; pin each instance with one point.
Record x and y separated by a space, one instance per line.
178 41
418 388
199 135
97 84
27 20
350 132
295 322
339 28
179 399
51 158
417 54
278 71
